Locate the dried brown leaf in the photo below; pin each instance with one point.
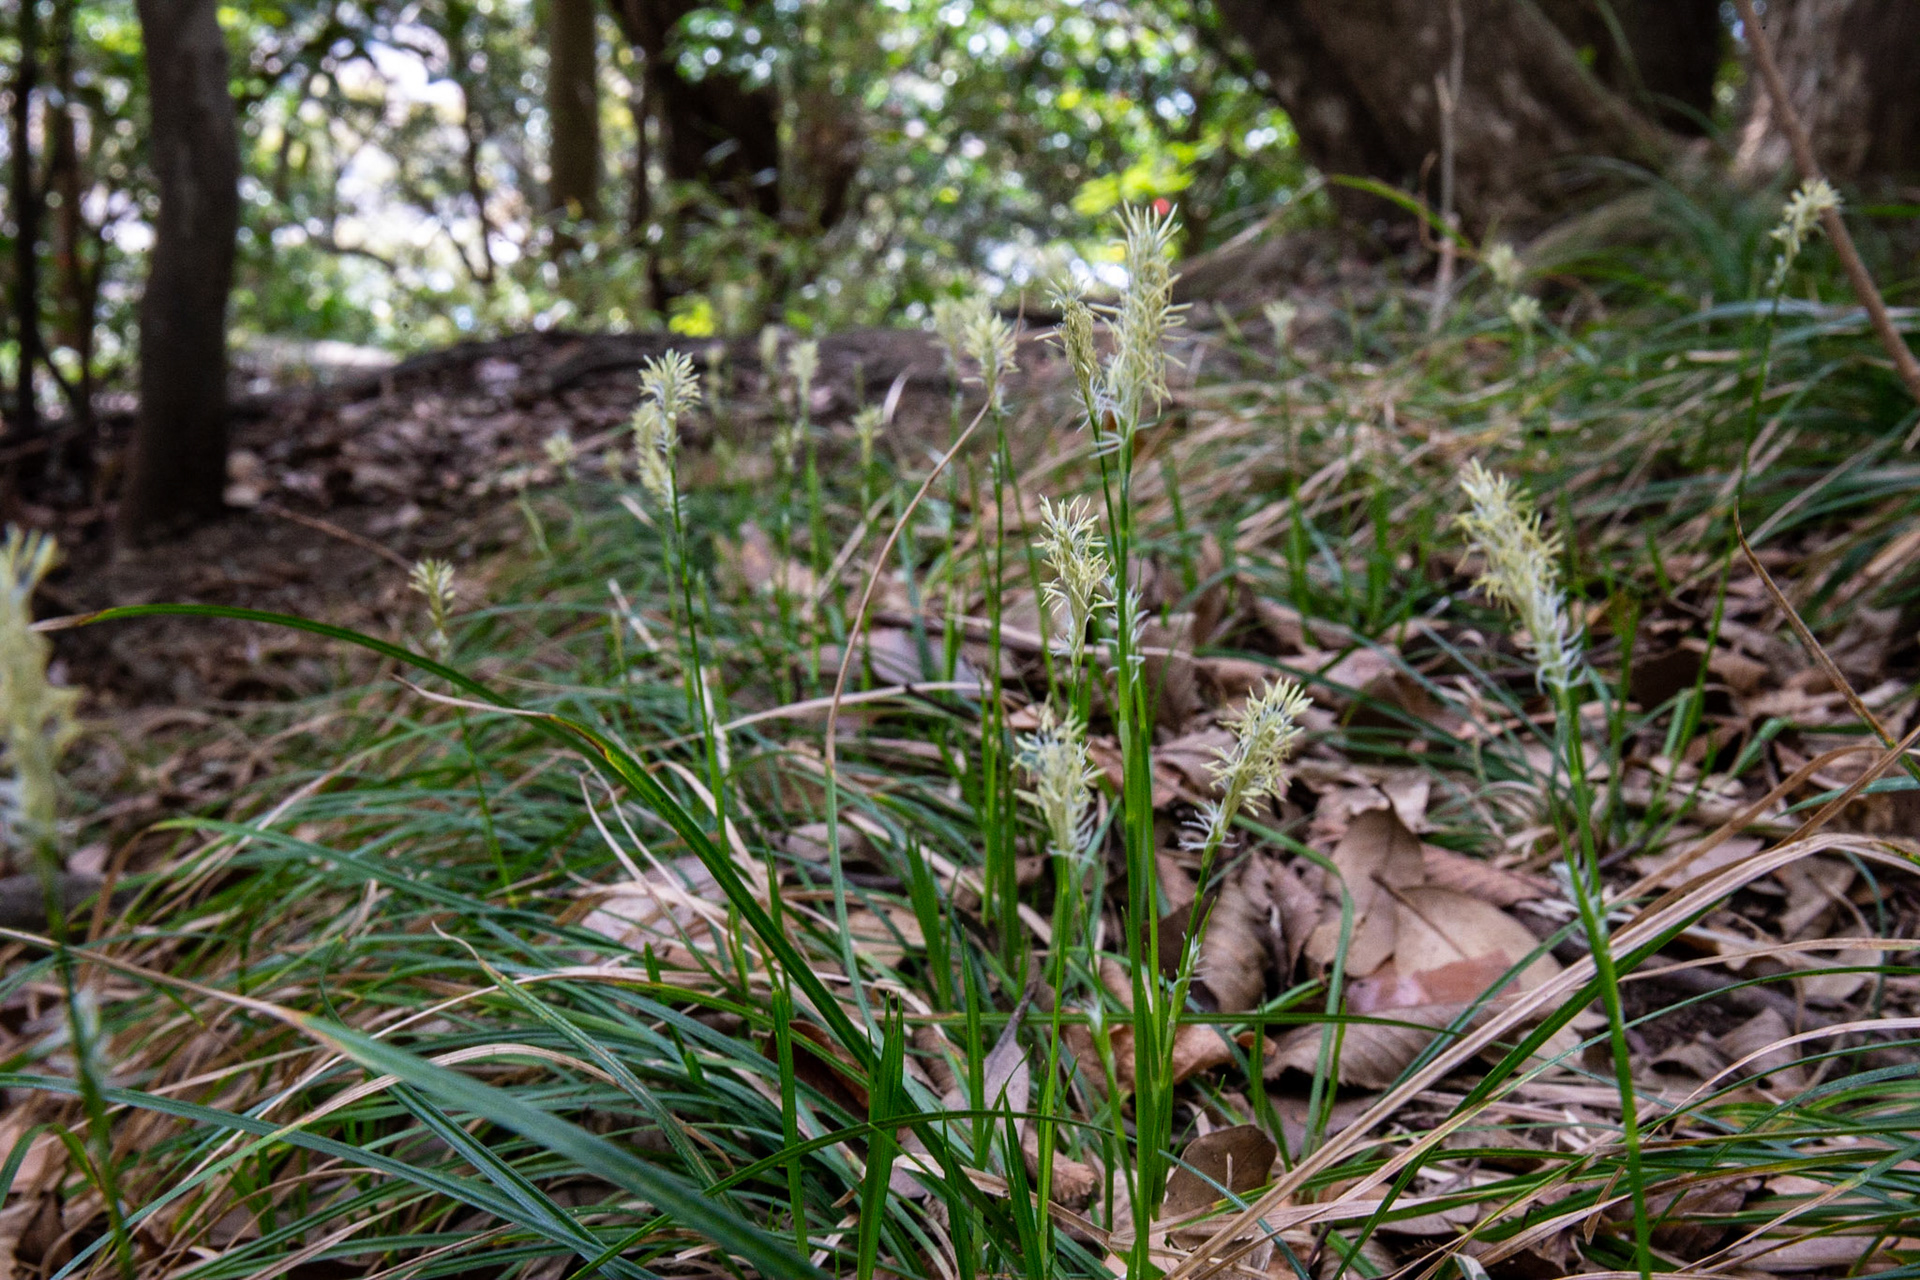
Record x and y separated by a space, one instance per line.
1211 606
1189 760
1224 680
887 938
1372 1054
1292 902
1196 1047
1456 871
1199 1048
1297 634
819 1062
1239 1159
1237 945
1672 868
1775 1068
1438 928
1169 670
1074 1183
663 910
1815 886
753 564
1377 852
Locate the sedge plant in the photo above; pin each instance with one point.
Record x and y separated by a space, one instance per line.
432 1133
37 725
1522 575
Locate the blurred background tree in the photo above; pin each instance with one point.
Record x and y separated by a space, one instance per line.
413 172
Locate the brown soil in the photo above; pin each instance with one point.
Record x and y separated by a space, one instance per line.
335 491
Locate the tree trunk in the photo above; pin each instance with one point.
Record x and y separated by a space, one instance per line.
474 130
177 468
715 130
1848 66
1358 78
76 244
1661 55
26 216
573 109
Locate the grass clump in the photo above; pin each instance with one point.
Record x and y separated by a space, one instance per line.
1178 796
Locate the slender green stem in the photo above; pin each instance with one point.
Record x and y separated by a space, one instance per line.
1584 873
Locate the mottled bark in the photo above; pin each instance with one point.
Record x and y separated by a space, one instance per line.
573 109
176 471
1357 76
1848 67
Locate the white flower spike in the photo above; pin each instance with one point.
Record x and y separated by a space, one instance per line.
1503 264
989 343
1522 571
562 452
1800 220
1137 379
433 579
1280 315
1254 769
1055 756
866 430
669 388
803 363
1082 582
36 717
1075 336
1524 310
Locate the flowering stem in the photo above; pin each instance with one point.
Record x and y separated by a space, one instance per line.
1584 868
696 671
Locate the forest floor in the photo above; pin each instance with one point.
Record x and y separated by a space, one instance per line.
335 491
407 975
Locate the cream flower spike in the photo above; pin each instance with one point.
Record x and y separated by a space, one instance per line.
1503 264
1800 219
1254 769
670 380
1137 379
1280 315
1082 582
950 325
866 430
1523 309
670 388
36 716
1055 756
803 363
1522 571
562 452
433 579
767 346
653 446
989 342
1075 337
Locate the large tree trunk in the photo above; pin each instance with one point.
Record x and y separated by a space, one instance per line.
725 135
1358 78
26 217
573 109
1848 66
1661 55
715 130
77 249
177 467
